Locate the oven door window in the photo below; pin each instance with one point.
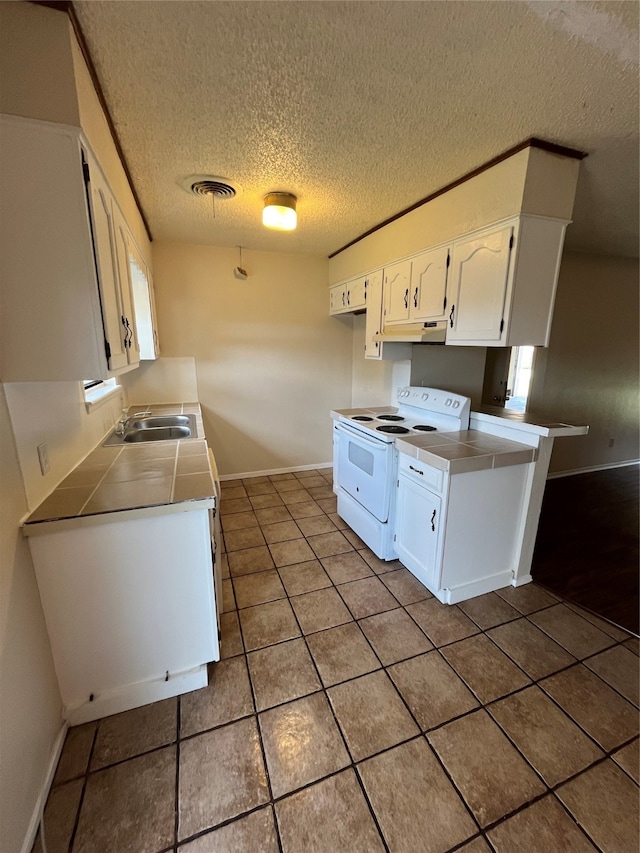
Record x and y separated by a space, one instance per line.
362 458
366 471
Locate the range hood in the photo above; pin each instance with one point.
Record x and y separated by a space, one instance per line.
427 333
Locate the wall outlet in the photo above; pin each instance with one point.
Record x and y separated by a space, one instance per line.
612 441
43 456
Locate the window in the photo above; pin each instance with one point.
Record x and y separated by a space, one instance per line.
98 391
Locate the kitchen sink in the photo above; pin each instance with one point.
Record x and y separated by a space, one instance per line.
160 421
155 428
156 434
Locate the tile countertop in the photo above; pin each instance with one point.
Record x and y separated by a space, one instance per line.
468 450
143 479
526 422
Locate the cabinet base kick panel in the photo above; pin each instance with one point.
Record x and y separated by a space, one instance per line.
472 589
135 695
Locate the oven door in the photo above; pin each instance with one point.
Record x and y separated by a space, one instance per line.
366 470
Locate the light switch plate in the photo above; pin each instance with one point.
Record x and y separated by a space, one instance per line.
43 456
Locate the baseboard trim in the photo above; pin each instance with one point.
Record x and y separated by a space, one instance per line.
556 475
267 473
41 802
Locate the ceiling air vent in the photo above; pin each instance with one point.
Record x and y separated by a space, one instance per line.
210 185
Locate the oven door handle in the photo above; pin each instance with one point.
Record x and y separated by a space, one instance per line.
375 444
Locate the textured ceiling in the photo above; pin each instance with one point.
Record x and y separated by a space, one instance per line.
362 108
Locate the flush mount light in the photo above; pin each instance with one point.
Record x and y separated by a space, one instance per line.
280 211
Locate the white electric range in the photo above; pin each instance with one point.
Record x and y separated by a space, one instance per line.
365 459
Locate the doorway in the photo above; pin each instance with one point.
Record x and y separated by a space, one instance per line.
519 378
507 377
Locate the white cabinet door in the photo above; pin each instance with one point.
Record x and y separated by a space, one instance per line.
143 302
397 281
348 297
429 285
479 278
373 325
337 299
356 294
417 531
123 240
113 312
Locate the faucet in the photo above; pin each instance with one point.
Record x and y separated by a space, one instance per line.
121 423
123 420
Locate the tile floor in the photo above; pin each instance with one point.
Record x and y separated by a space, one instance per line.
352 711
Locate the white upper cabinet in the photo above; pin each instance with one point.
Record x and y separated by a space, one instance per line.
110 237
427 297
503 282
348 297
415 289
479 278
67 311
373 323
144 303
397 285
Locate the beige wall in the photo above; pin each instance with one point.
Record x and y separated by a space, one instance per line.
30 705
374 383
531 181
270 361
589 373
55 413
36 67
457 369
165 380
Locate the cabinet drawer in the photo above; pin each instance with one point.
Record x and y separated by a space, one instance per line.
428 476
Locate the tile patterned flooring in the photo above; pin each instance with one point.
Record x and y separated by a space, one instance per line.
353 711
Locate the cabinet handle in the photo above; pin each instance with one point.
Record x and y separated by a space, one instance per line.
343 297
453 308
129 333
406 298
125 340
433 521
417 470
415 298
348 297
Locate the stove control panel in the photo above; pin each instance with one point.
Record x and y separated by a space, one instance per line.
434 400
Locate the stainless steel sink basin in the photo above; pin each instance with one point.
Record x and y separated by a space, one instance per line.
156 434
155 428
160 421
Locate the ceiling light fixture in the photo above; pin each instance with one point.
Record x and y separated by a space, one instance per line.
280 211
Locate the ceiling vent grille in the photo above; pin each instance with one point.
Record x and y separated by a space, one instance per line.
209 185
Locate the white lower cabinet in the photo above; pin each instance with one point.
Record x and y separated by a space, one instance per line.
459 534
129 605
418 529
